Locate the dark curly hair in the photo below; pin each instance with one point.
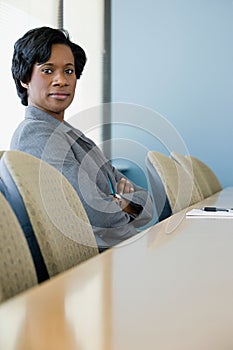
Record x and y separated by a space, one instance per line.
35 47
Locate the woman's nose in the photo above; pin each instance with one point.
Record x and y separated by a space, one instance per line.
60 79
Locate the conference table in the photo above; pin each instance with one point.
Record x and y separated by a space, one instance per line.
168 288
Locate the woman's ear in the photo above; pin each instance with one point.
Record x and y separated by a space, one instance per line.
25 85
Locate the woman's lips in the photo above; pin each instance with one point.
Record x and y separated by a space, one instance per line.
59 95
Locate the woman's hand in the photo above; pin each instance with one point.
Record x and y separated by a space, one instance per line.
124 186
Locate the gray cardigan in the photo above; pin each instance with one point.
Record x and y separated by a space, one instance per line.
86 168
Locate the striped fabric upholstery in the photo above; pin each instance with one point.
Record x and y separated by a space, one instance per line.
59 221
17 272
179 186
204 177
205 173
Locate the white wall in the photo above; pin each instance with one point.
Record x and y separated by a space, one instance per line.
16 17
85 22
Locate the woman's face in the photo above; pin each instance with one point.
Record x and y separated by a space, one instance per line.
52 84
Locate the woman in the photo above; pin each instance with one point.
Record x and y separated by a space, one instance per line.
45 68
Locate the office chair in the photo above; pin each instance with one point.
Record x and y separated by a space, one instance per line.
17 271
173 188
204 177
54 211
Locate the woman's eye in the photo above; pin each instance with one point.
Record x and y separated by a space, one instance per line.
47 70
69 71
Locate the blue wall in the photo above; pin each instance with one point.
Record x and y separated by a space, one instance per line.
174 57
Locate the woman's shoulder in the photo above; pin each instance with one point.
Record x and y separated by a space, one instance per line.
37 127
31 131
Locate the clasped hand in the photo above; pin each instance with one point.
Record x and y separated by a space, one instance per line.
125 186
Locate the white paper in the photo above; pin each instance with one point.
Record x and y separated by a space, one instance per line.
209 214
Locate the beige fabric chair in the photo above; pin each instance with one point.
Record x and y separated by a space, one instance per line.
207 173
204 177
178 184
59 221
17 272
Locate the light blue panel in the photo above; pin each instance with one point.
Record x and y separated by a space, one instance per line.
176 57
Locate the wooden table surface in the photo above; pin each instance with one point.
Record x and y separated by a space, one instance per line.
169 288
